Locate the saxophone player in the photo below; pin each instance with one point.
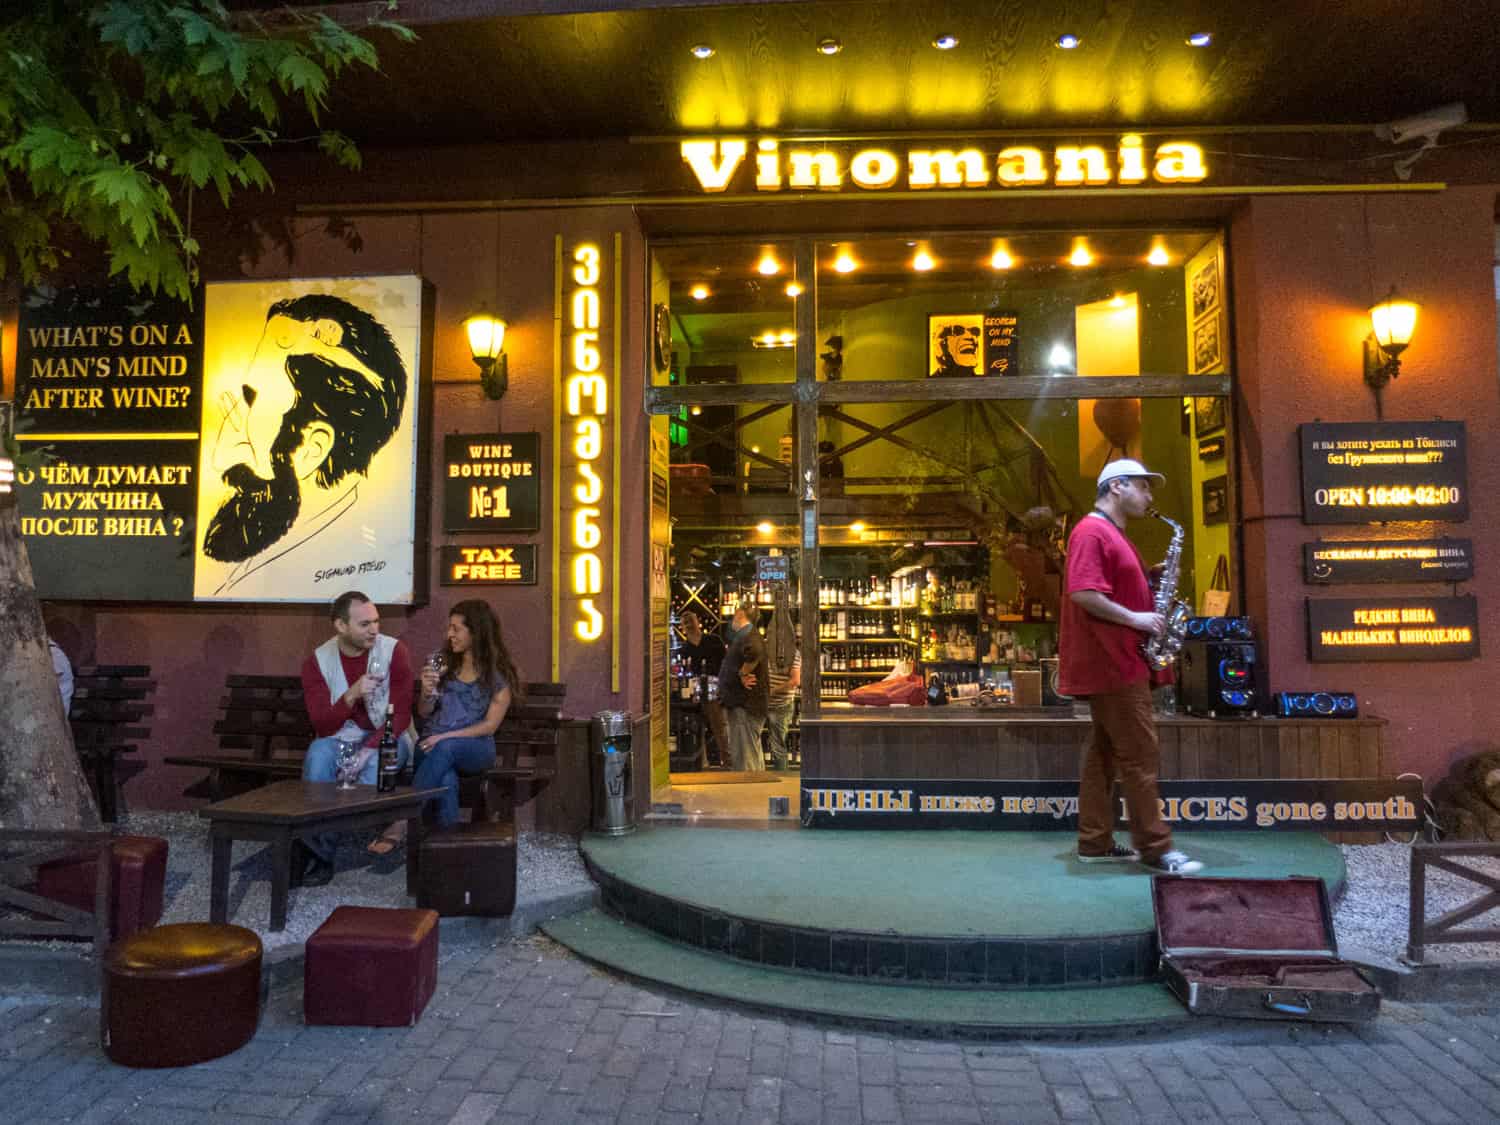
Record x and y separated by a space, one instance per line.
1109 609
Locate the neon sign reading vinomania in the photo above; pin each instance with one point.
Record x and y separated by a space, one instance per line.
715 163
586 400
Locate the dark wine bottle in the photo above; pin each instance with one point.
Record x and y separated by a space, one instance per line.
937 695
389 758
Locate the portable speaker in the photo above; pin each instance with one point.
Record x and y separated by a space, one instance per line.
1319 704
1218 679
1220 629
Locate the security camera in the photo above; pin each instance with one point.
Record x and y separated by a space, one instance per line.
1424 126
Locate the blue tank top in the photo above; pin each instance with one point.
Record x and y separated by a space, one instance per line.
461 705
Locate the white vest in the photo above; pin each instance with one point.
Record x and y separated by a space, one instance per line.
332 667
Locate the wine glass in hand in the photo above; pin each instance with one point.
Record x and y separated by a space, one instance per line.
375 668
436 663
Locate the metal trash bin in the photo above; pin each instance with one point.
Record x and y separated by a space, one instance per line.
610 773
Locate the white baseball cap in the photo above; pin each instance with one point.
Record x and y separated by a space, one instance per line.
1126 468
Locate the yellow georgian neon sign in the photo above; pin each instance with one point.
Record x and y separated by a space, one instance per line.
715 163
586 403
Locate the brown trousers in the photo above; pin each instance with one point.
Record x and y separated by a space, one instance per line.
1124 744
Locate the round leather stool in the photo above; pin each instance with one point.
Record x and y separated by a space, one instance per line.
182 994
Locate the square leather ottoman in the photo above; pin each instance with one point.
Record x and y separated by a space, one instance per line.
370 967
138 876
469 868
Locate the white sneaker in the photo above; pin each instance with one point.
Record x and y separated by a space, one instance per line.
1173 863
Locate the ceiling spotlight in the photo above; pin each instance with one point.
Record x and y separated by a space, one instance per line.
845 262
1080 255
768 266
1158 256
829 46
793 289
857 526
1069 42
765 527
702 51
699 292
1001 259
696 411
1199 39
945 42
922 261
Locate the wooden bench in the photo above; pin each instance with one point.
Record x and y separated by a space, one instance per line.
264 732
109 703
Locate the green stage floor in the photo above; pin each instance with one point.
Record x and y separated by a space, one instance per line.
942 884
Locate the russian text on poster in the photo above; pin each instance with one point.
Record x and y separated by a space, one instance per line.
1352 630
1373 472
1300 804
1388 560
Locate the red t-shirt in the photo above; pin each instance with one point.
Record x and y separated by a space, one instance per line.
327 717
1097 656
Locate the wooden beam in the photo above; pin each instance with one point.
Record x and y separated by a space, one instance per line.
1026 387
665 400
806 414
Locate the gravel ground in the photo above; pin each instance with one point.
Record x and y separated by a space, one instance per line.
1372 914
547 865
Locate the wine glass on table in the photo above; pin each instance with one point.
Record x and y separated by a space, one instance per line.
348 761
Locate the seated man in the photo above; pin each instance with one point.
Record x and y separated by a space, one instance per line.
346 696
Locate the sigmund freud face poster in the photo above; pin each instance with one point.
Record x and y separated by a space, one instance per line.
306 481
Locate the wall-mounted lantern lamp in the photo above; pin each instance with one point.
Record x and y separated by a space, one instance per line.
1392 323
487 345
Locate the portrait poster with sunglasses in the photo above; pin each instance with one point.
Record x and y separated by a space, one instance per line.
956 345
308 458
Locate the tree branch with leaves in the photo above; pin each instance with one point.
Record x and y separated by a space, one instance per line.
114 113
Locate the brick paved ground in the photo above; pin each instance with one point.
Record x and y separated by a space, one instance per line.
527 1033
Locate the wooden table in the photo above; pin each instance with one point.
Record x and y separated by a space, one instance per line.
292 810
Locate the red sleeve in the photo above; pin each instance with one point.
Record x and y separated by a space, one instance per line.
326 717
402 684
1088 567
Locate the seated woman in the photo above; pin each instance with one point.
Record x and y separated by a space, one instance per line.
462 706
460 709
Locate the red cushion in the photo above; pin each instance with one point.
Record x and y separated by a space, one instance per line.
138 876
370 967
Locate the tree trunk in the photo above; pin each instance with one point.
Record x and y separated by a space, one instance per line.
41 783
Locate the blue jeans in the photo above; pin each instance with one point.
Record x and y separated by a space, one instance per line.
778 719
321 764
444 762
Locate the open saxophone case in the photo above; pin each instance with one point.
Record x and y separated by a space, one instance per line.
1256 949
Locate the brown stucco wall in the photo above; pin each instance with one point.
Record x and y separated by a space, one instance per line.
1305 270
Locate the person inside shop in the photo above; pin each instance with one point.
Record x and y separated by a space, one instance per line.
1107 615
744 690
347 684
955 348
784 666
704 655
463 703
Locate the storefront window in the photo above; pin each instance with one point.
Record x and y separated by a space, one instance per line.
943 517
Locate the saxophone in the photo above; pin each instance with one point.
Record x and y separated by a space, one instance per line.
1161 649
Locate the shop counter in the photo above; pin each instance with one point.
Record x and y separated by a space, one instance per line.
959 741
